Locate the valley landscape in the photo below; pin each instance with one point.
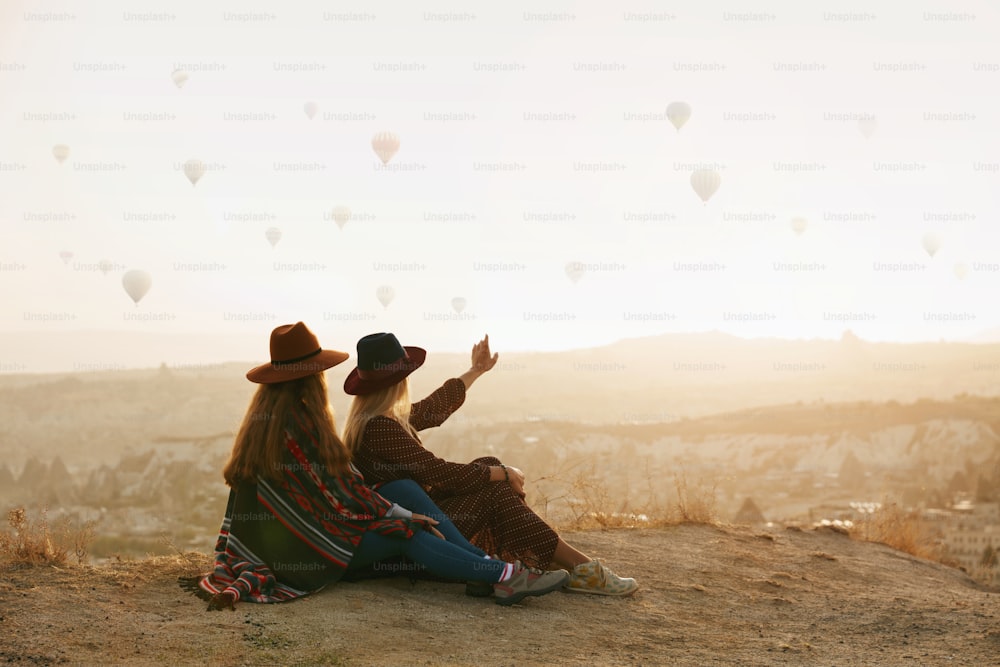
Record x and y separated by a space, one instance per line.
800 432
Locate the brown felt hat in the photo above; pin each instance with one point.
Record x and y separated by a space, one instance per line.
295 353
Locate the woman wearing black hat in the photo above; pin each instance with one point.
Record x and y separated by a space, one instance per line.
300 515
484 498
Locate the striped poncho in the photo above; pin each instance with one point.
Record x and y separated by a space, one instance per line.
282 540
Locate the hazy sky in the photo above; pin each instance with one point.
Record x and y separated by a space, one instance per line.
532 135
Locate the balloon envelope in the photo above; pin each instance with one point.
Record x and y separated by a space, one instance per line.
575 271
179 77
60 152
867 127
194 170
310 108
341 214
799 225
961 270
105 265
66 255
705 183
273 235
136 283
678 113
932 243
385 295
385 145
458 303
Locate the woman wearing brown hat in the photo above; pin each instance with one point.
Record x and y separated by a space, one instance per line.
300 515
484 498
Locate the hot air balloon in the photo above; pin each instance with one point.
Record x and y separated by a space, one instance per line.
179 77
458 303
799 225
65 256
385 145
341 214
60 152
961 270
194 170
678 113
575 271
385 295
105 265
136 283
273 235
705 183
932 243
868 126
310 108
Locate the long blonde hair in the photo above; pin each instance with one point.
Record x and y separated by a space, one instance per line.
392 401
260 443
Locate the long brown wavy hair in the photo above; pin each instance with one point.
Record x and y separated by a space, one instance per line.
260 444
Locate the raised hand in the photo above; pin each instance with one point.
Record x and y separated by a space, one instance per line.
482 361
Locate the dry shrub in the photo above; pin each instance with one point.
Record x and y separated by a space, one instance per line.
903 530
39 542
695 504
589 502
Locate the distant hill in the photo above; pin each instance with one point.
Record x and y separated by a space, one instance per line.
654 380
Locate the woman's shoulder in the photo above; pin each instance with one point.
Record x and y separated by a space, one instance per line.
383 423
381 428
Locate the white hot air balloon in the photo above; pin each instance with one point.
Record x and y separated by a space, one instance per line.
932 243
385 295
458 303
105 265
961 270
706 183
799 225
179 77
273 235
341 214
194 169
310 108
137 283
575 271
867 126
60 152
678 113
385 145
65 256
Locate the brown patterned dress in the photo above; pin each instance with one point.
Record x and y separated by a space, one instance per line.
490 514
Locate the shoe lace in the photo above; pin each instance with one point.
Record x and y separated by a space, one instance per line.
518 565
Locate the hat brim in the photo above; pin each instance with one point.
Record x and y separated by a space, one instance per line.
355 385
270 374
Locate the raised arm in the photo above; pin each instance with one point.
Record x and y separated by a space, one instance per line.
433 410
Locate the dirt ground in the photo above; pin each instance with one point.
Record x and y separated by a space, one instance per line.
708 596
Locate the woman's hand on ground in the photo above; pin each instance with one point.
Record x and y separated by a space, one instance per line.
430 524
223 600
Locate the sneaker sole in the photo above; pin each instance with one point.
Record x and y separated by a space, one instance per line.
477 592
517 597
594 591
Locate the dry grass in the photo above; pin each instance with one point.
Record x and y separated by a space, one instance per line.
900 529
27 542
583 499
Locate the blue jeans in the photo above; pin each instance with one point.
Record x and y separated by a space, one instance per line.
452 557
